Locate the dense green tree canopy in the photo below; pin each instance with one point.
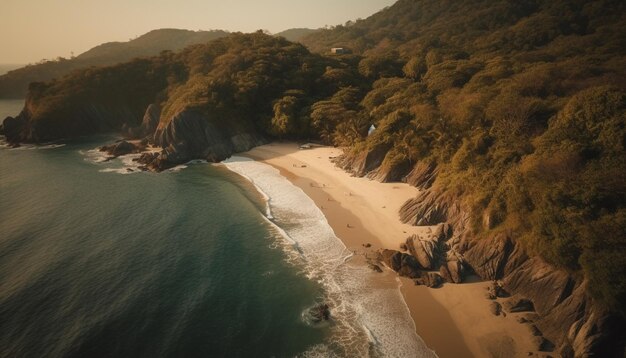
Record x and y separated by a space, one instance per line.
520 105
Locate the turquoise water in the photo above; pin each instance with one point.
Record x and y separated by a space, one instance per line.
178 264
99 259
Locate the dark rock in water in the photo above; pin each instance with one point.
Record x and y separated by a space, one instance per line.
517 304
121 148
12 128
320 313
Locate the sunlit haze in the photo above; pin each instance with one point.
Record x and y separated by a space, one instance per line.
31 30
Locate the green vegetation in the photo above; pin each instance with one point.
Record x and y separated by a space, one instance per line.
520 105
240 83
15 83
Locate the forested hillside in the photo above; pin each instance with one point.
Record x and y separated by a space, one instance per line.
518 107
515 110
15 83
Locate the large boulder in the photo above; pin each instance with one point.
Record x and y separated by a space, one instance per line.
121 148
430 279
423 250
403 264
456 270
488 257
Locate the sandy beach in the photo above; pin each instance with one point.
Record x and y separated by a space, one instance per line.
453 320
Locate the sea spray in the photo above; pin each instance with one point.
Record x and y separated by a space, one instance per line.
364 326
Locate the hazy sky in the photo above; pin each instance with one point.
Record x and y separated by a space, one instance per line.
31 30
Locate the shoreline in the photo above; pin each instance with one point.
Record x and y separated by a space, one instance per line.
453 320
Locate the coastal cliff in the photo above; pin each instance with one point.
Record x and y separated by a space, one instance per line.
508 116
206 102
564 317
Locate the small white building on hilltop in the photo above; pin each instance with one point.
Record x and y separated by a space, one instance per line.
339 50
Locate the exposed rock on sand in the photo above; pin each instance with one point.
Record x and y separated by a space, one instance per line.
403 264
518 304
495 308
566 316
423 250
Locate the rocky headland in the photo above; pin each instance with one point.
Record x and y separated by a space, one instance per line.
564 318
498 150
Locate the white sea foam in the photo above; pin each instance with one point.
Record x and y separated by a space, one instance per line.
5 145
127 164
124 164
368 322
95 155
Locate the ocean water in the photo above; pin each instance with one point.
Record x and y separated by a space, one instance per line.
99 259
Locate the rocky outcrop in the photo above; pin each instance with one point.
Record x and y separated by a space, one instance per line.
363 162
570 320
422 175
12 128
72 120
148 124
430 207
404 264
189 135
518 304
390 172
425 254
123 147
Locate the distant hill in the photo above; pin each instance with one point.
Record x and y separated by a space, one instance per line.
15 83
6 67
295 35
